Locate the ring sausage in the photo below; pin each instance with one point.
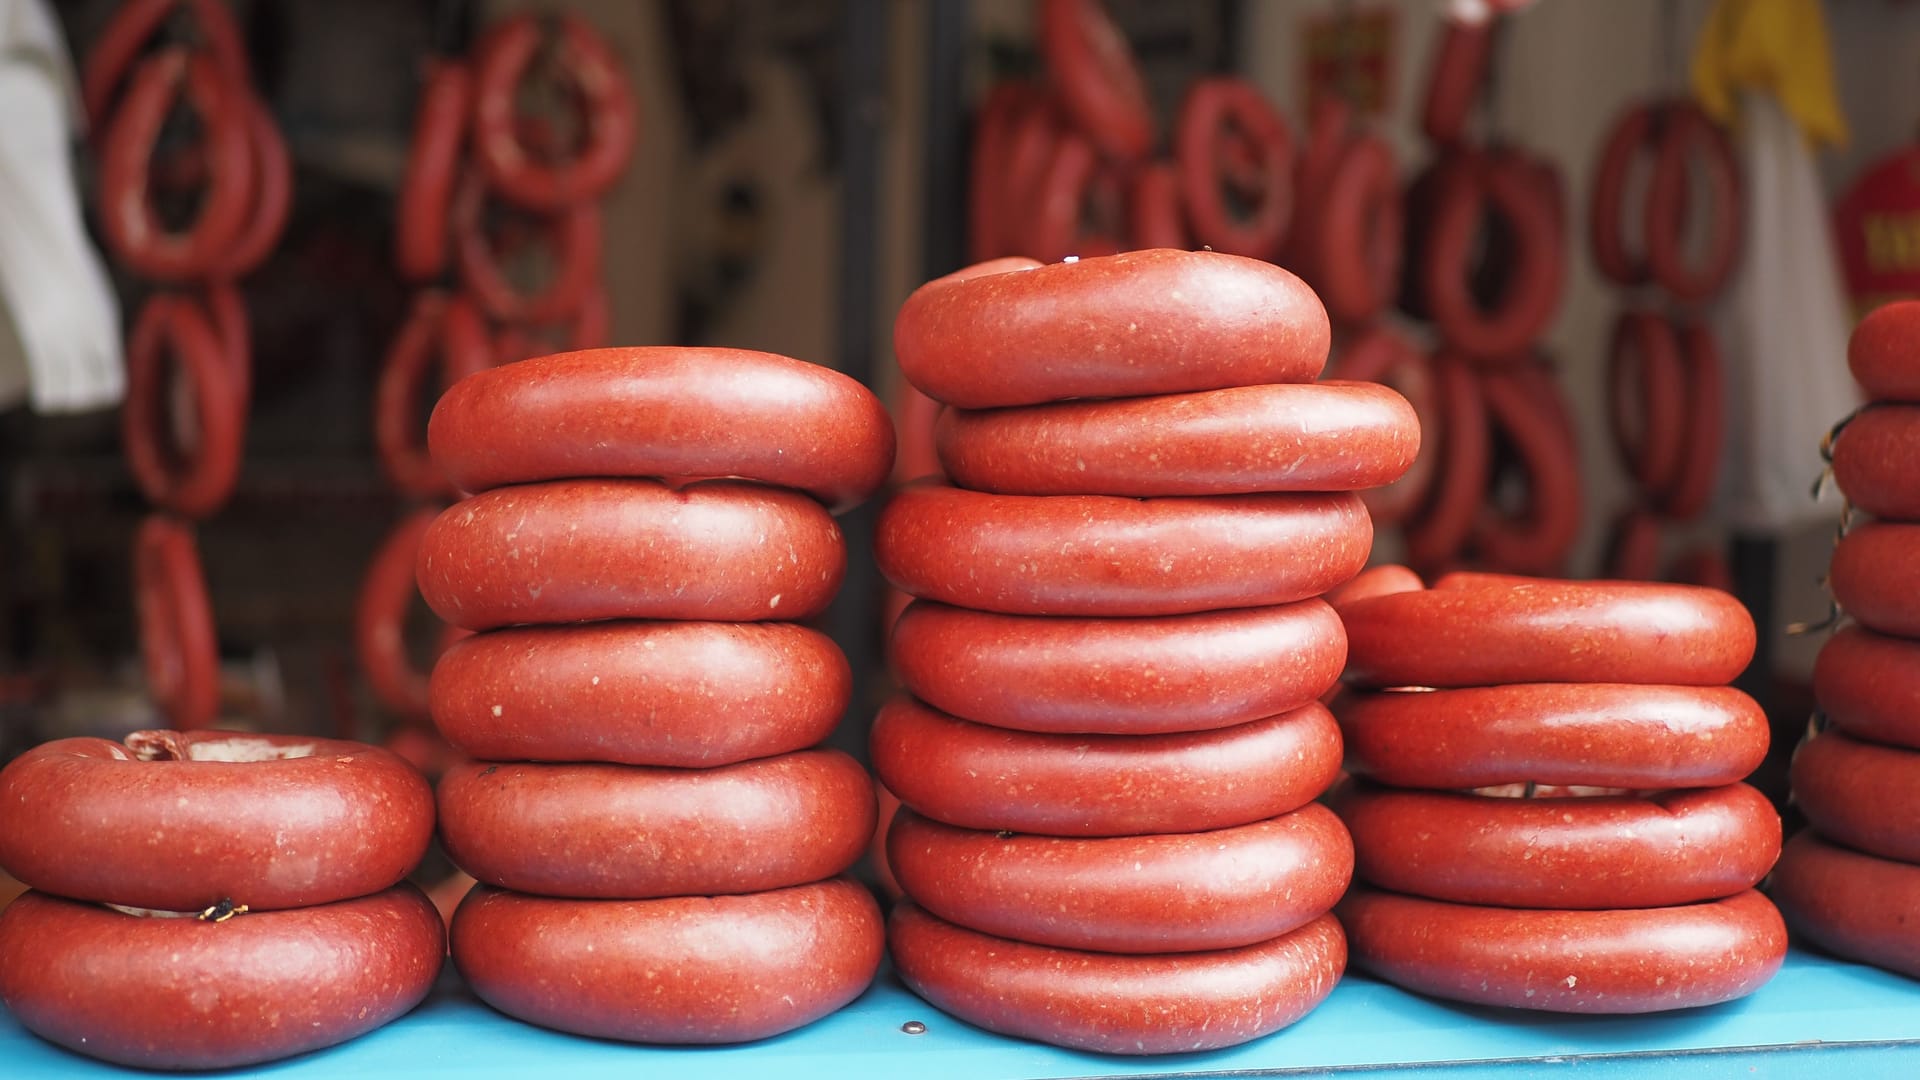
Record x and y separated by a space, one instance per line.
1526 405
1875 576
1361 226
583 550
1509 630
981 777
1628 141
1096 76
182 820
1850 904
1884 352
1106 555
1685 129
196 479
227 316
1647 399
1868 684
1861 795
728 968
666 412
1631 961
1383 580
636 833
154 992
1622 736
132 27
678 694
1505 186
1214 108
572 235
1145 322
989 155
1031 145
1328 119
433 160
1117 1004
1381 354
1076 212
1439 529
1599 852
1461 57
272 195
443 331
1155 216
179 651
1876 461
1065 675
1699 469
1181 892
380 619
608 117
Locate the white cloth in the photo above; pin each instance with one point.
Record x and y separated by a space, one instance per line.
59 321
1784 331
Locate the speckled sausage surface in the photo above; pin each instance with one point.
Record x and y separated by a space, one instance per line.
1676 847
981 777
1383 580
1106 555
1331 436
1876 461
688 969
1884 352
1145 322
665 411
1849 904
1868 684
1489 630
158 992
1629 961
682 694
1861 795
626 832
1178 892
180 821
1875 575
1117 1004
1594 734
584 550
1208 670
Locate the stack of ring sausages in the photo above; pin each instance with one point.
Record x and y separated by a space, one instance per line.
235 184
1851 884
1547 808
1111 743
1664 382
206 900
657 836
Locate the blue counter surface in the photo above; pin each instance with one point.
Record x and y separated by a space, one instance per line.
1820 1017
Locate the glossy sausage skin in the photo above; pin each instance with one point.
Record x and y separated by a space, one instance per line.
1623 961
981 777
1884 352
1106 555
681 694
1383 580
1876 461
1853 905
629 832
582 550
1676 847
179 821
1504 630
658 412
158 992
1875 576
1859 794
1381 354
1591 734
1179 892
1078 675
1868 684
1144 322
1117 1004
687 969
1326 436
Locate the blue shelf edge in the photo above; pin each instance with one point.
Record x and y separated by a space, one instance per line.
1818 1017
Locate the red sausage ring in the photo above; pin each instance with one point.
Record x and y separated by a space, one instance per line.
1527 406
1605 735
1382 580
1876 461
1859 794
1875 577
1884 352
1097 78
606 102
227 314
1156 218
177 642
1324 436
158 992
1114 1004
1868 685
1145 322
1361 225
637 833
1647 381
914 417
272 195
1108 555
1676 847
1699 469
128 222
1327 138
1493 630
380 619
133 24
180 821
433 161
666 412
1440 528
1380 354
990 153
1214 108
981 777
1852 905
197 479
743 967
440 331
573 236
1170 893
1035 134
1077 211
1629 139
1459 69
1212 669
1503 185
1685 128
1632 961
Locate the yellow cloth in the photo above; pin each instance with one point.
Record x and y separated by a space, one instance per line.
1775 46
